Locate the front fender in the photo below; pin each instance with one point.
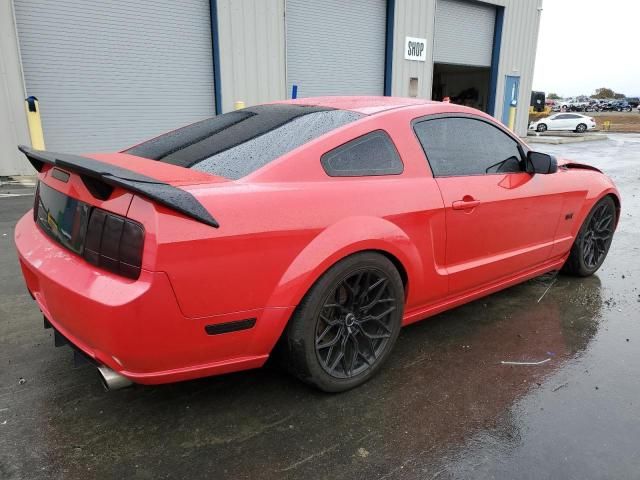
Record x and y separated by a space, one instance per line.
346 237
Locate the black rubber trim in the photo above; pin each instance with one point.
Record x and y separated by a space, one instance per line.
60 340
228 327
163 193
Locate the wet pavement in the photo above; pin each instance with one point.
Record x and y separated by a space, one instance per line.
444 406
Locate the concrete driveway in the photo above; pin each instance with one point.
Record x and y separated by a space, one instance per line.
444 406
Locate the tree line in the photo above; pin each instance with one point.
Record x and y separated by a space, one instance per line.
600 93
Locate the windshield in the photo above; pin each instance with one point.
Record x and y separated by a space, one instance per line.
238 143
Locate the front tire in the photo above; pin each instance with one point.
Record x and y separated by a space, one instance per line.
346 325
581 128
541 128
592 244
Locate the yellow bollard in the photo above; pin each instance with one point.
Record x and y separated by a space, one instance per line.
238 105
512 117
607 125
34 122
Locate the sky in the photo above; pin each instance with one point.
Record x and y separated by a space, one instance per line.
587 44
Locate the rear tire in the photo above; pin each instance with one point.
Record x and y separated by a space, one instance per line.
592 244
346 325
581 128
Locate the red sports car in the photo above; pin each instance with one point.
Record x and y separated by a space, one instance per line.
313 228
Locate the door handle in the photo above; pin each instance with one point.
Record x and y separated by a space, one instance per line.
467 203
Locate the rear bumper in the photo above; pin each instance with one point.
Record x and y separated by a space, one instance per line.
136 327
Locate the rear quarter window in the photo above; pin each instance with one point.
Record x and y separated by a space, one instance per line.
369 155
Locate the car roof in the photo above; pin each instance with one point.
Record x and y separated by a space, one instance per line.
367 105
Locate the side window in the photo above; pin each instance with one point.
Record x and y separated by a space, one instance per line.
457 146
370 154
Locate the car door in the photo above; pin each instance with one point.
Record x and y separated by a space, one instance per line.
500 220
559 122
572 121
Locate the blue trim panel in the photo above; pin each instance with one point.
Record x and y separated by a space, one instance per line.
215 44
495 61
388 47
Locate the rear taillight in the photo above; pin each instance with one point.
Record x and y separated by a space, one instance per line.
114 243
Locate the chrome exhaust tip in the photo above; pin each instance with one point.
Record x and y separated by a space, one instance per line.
112 380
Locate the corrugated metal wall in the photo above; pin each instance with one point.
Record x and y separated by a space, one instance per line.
252 51
457 42
13 122
415 18
336 47
518 53
252 61
111 74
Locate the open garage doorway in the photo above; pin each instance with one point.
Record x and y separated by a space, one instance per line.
464 85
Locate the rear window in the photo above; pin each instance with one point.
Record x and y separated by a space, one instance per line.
238 143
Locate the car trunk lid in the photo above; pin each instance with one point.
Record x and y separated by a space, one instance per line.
102 173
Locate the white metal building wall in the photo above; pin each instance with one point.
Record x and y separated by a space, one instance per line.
415 18
518 53
13 120
252 58
464 33
335 47
109 74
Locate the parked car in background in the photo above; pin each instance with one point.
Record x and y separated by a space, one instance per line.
621 106
634 102
564 121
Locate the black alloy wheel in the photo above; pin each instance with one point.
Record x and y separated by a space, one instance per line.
594 239
597 237
355 323
345 327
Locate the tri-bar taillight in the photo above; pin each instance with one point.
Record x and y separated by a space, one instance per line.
114 243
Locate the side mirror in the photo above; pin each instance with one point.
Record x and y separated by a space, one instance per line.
541 163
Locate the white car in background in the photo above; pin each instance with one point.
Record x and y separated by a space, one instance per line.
564 121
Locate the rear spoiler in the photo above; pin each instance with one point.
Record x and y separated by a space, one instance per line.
100 178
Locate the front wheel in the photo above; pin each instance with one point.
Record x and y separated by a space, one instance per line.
541 128
346 325
581 128
592 244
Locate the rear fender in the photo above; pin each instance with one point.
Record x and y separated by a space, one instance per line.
344 238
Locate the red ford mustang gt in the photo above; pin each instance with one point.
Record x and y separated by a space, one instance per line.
315 228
